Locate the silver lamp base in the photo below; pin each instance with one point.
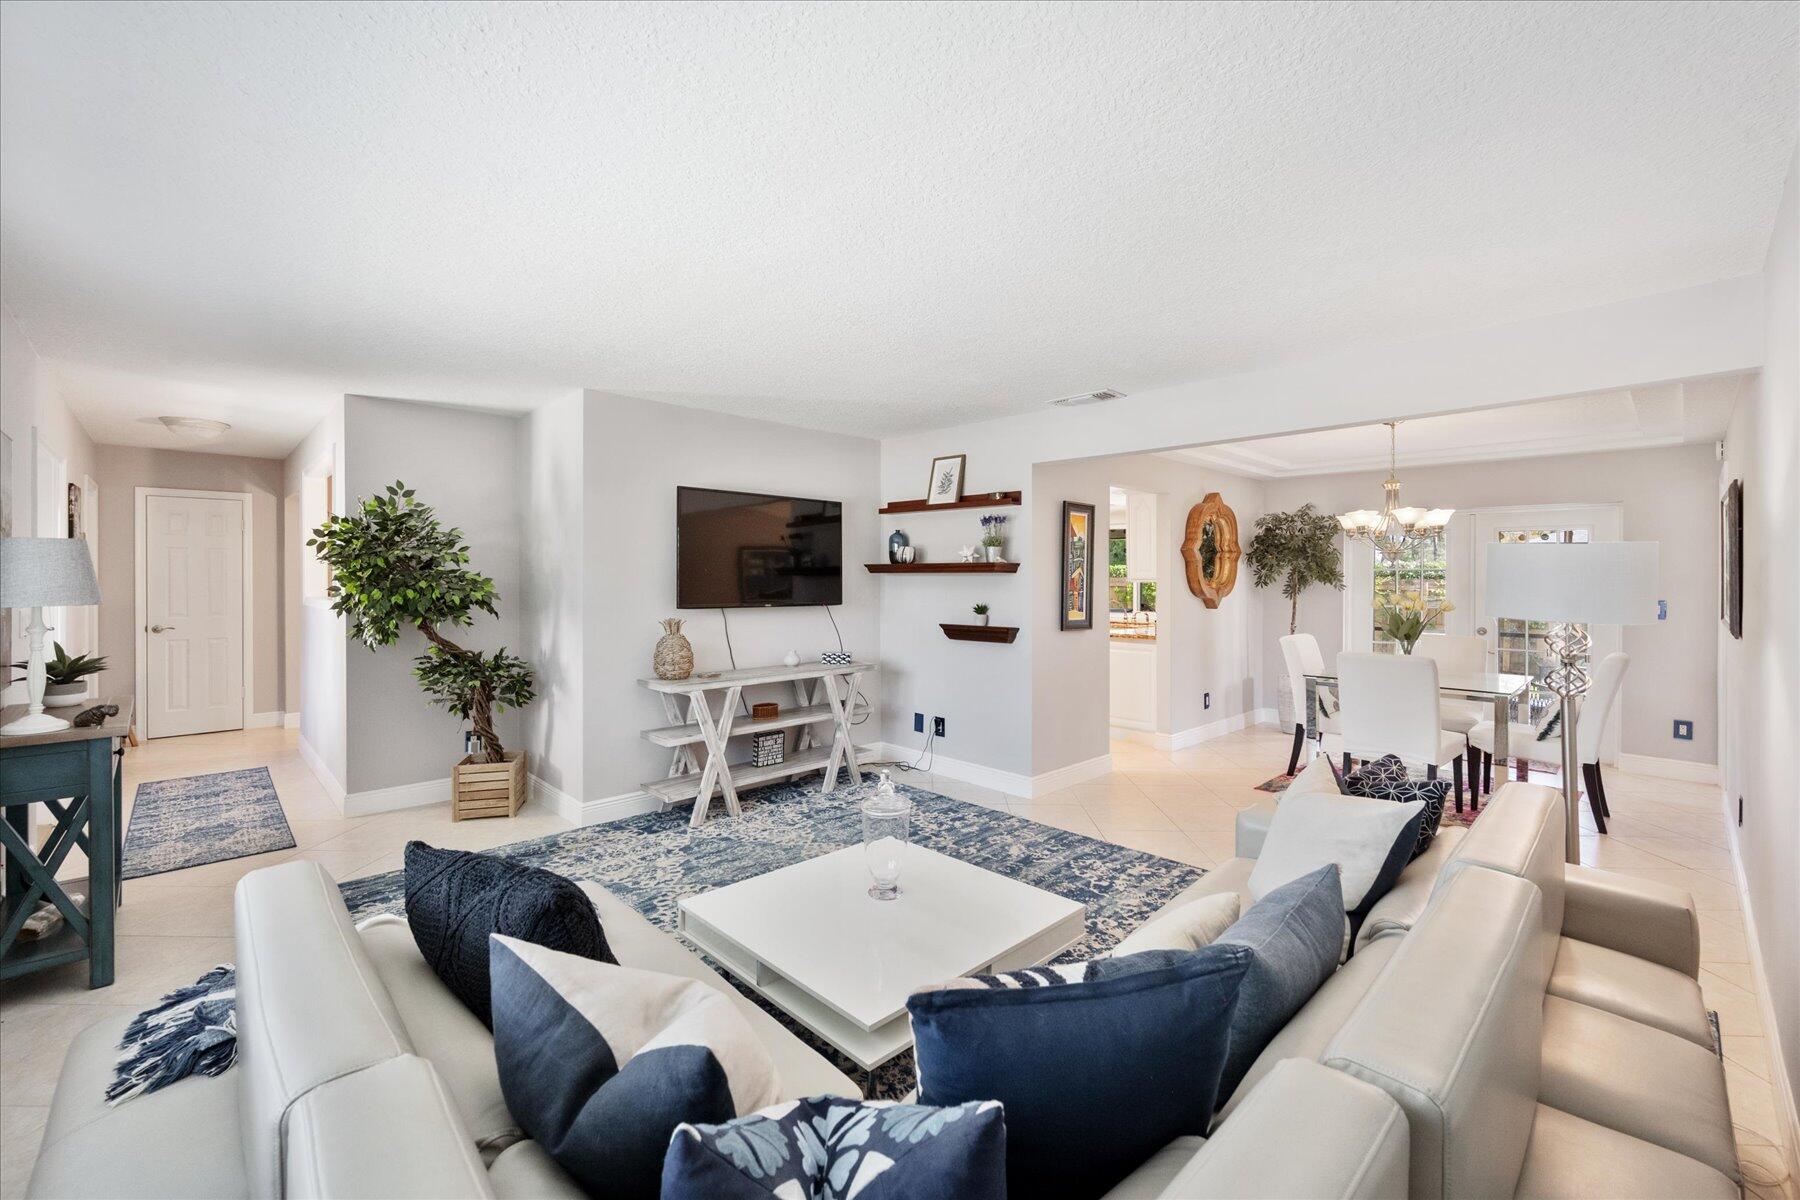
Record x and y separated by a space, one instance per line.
1569 680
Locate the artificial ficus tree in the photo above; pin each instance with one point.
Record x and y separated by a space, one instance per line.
393 565
1298 548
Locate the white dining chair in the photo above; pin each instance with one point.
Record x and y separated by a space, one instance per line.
1388 704
1457 654
1524 746
1300 655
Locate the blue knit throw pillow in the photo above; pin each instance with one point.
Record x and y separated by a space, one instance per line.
455 899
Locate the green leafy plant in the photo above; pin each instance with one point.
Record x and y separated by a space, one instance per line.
1297 549
63 669
981 610
394 565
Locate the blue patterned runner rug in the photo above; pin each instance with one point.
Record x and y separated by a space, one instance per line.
198 819
651 861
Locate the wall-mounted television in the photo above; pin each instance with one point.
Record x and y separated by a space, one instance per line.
749 550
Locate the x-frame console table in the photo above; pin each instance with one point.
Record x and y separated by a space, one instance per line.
825 694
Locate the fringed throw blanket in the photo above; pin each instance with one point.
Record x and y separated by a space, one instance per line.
190 1031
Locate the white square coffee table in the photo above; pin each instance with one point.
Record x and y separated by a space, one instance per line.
811 940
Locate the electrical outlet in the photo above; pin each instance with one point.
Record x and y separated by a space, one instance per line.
937 726
1684 731
918 722
1662 610
1205 699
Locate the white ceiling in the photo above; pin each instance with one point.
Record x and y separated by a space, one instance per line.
1663 415
859 216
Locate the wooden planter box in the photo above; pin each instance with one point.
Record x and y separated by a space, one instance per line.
480 789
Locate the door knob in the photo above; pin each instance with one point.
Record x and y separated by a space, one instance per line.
160 628
1481 629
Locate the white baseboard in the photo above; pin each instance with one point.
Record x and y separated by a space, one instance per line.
592 812
1669 768
1787 1110
322 773
265 720
391 799
1009 783
290 720
1184 738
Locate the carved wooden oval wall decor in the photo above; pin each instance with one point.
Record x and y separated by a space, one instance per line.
1211 550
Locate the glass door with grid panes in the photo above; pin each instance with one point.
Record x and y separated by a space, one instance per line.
1516 647
1420 570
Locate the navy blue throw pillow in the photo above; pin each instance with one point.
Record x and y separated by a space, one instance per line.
1095 1074
1386 779
1295 935
829 1146
455 899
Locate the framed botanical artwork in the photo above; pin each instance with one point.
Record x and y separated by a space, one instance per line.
1075 601
1731 558
945 486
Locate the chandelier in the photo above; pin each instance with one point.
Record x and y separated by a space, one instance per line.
1394 528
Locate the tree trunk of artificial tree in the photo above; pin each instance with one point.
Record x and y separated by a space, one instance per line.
1294 613
481 716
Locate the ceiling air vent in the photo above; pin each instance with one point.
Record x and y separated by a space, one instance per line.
1099 397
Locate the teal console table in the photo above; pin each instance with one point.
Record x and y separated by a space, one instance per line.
74 774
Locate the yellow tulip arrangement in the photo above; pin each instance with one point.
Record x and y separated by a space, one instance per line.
1406 617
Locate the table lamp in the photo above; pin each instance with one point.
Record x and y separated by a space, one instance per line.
35 572
1571 585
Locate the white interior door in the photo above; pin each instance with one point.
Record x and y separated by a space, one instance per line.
1517 647
194 608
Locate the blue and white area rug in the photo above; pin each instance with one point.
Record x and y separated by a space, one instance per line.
199 819
651 861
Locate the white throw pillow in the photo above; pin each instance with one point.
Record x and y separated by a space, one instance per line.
1310 830
1195 924
1316 777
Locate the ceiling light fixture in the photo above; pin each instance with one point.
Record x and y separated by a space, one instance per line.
1394 528
195 429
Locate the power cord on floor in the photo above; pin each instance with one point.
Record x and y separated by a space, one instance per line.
868 709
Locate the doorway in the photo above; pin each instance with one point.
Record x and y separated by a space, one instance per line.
1131 580
193 583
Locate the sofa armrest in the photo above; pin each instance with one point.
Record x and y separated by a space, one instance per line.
1253 827
1647 920
1357 1143
388 1131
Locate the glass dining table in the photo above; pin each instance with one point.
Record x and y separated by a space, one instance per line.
1495 689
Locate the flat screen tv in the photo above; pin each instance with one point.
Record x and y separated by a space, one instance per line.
747 550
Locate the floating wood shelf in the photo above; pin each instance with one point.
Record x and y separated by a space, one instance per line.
942 568
980 500
980 633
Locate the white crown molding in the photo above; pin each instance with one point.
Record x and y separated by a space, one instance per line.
1233 458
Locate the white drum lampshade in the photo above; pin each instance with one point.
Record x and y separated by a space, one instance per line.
35 572
1594 583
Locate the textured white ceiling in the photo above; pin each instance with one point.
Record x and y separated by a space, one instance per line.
1661 415
866 217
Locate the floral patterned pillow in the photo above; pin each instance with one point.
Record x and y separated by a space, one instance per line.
829 1148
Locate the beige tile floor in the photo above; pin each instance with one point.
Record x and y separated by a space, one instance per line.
1180 805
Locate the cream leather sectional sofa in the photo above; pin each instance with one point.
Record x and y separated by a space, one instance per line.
1508 1026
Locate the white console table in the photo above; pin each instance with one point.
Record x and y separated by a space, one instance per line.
824 694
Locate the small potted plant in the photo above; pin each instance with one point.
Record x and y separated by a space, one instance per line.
65 678
981 614
993 536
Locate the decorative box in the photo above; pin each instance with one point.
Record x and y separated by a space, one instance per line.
835 658
766 749
765 710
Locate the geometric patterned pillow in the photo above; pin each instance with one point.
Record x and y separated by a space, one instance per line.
1386 779
828 1147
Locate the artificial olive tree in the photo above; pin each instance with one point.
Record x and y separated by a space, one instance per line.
392 564
1298 548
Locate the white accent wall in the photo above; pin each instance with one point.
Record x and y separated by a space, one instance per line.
1760 675
466 465
552 590
636 453
316 633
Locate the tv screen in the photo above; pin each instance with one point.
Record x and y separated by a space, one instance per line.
746 550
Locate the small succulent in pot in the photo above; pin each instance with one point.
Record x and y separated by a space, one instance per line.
65 678
981 614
